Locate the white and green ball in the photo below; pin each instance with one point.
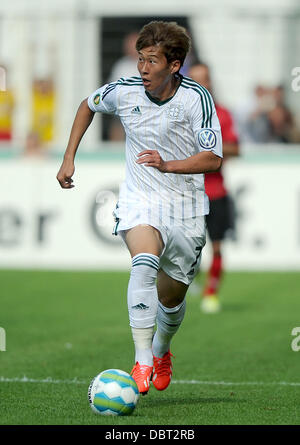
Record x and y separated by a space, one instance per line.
113 393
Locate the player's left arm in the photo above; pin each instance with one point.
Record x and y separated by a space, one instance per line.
208 143
203 162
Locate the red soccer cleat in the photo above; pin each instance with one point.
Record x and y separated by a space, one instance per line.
162 371
142 375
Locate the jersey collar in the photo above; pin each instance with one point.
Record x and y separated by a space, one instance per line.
162 102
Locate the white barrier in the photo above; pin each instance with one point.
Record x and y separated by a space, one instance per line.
267 197
44 226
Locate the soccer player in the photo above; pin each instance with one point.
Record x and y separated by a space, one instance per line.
220 218
173 136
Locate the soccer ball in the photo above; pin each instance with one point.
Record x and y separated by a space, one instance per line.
113 393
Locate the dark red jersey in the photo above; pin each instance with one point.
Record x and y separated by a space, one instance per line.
214 182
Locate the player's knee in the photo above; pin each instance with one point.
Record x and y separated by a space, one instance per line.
171 292
172 300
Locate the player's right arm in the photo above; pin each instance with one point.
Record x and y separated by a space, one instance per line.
83 119
102 100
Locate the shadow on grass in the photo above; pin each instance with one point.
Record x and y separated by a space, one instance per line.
191 401
235 307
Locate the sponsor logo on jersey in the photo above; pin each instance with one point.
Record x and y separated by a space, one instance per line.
207 139
175 111
97 99
136 110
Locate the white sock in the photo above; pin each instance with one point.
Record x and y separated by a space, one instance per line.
168 322
142 291
143 345
142 304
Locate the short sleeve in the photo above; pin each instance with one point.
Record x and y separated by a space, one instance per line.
206 125
104 99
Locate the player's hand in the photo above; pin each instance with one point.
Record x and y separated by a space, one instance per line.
151 158
64 176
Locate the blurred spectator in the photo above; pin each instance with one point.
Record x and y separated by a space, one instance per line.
7 103
268 118
257 125
33 146
43 109
126 66
280 117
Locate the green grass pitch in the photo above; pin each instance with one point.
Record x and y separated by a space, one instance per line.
234 367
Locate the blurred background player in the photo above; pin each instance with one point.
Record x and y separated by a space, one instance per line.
220 218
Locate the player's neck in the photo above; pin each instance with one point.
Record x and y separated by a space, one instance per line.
167 91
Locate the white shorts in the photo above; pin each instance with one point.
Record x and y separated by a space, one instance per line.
183 244
181 256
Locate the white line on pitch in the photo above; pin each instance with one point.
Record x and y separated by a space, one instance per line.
25 379
77 381
201 382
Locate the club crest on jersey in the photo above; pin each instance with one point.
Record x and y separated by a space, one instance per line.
207 138
97 99
175 112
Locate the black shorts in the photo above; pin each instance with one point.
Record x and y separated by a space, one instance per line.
221 218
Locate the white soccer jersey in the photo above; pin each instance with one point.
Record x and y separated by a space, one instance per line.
177 128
